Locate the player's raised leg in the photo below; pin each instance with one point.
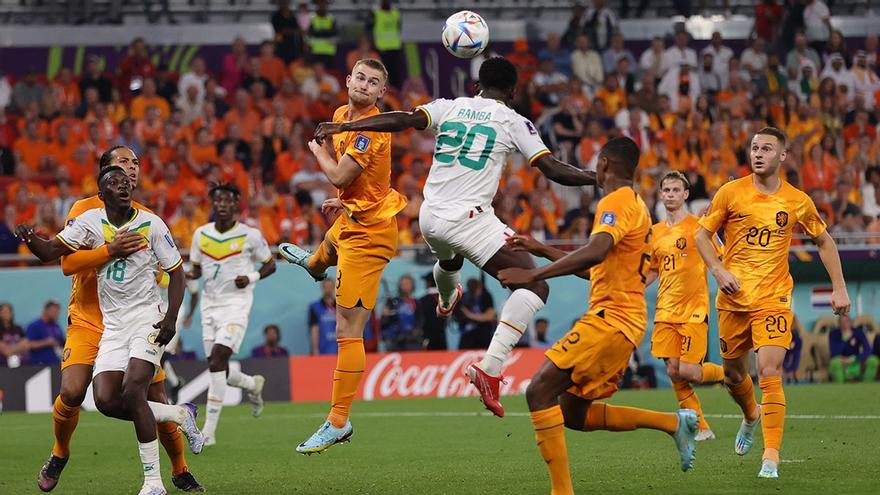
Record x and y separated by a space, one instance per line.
448 279
172 442
682 374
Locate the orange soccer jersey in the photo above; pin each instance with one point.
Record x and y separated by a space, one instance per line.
757 233
369 199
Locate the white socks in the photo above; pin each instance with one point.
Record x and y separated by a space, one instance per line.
170 375
216 393
446 283
516 315
240 380
166 412
150 459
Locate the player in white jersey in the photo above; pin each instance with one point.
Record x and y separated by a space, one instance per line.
475 136
135 329
225 251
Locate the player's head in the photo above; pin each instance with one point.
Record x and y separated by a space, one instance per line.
225 201
367 82
114 187
619 157
498 75
767 151
674 190
122 156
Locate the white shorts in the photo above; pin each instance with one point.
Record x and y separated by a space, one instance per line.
477 238
224 326
132 337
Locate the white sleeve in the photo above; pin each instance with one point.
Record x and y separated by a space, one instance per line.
435 110
195 254
527 140
163 246
260 252
77 234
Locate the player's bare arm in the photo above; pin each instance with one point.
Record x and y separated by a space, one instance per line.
45 249
195 273
384 122
563 173
840 302
727 282
577 261
339 174
537 248
266 269
167 326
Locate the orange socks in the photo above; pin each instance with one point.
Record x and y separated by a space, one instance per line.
172 440
550 436
322 259
773 415
744 395
687 399
66 419
602 416
712 373
350 364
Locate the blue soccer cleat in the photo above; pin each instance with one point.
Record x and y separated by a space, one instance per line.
326 437
768 470
685 438
190 428
299 256
745 437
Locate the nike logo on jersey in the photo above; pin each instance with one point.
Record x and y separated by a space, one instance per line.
744 216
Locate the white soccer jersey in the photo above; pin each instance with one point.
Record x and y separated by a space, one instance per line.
224 256
475 136
125 283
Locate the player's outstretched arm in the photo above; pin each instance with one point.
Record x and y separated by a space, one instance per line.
89 259
577 261
384 122
563 173
840 302
176 286
45 249
727 282
538 248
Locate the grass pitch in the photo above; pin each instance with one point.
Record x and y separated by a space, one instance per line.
450 446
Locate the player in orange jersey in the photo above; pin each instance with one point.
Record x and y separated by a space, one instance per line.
361 242
681 320
84 331
758 214
588 362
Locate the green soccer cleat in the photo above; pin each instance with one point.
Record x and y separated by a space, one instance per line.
299 256
768 470
685 438
326 437
745 437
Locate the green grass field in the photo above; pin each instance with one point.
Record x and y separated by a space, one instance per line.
448 446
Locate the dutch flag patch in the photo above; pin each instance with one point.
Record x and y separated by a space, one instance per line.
361 142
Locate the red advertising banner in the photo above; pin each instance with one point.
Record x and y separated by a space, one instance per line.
396 375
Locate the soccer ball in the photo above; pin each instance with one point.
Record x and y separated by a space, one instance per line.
465 34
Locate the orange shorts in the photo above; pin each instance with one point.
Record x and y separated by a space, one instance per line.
81 347
743 330
597 355
362 254
684 341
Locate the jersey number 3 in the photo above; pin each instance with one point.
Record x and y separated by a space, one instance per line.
460 139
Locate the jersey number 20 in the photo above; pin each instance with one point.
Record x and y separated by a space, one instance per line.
459 137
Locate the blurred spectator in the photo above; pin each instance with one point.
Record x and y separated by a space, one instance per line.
45 339
9 242
322 321
364 49
754 58
322 34
549 83
817 21
196 76
399 319
851 353
431 326
768 20
638 375
866 82
386 26
836 70
872 50
615 52
5 91
149 97
311 86
681 87
288 33
600 22
710 81
679 53
13 343
870 191
311 180
94 77
163 9
28 90
560 55
272 68
475 315
271 344
849 222
721 54
541 327
236 63
800 54
792 359
133 69
652 58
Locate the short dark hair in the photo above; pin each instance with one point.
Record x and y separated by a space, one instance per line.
624 152
773 131
224 186
112 169
272 326
676 175
107 157
498 73
541 320
50 303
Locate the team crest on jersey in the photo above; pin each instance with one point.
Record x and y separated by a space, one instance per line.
608 218
152 337
361 142
681 243
781 218
531 128
71 221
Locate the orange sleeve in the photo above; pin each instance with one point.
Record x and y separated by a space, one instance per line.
611 217
87 259
716 217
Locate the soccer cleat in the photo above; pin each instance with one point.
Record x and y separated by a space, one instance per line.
705 434
190 429
50 473
685 438
488 387
255 396
326 437
447 312
153 490
187 482
299 256
768 470
745 437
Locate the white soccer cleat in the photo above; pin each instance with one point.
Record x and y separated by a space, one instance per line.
768 470
210 440
745 437
190 428
705 434
148 489
255 396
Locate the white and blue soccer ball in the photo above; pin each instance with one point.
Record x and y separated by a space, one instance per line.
465 34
